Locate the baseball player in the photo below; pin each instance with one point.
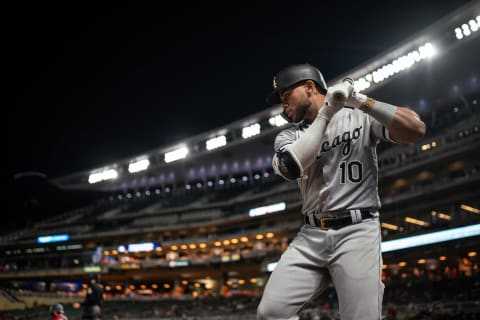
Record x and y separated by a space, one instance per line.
57 312
331 153
94 298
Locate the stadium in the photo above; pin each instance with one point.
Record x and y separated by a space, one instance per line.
192 230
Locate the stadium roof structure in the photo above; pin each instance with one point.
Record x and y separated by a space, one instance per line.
423 72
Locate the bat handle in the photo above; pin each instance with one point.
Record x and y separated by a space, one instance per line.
343 92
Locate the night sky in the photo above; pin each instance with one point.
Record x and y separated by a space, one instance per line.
93 85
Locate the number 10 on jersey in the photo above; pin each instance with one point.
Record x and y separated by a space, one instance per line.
351 172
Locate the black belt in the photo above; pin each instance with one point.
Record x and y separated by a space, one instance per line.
338 219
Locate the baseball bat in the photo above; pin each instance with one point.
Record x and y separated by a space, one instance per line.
342 94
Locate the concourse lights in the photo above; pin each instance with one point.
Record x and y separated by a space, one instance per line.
470 209
441 215
389 226
429 146
417 222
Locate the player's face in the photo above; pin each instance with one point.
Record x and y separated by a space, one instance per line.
295 103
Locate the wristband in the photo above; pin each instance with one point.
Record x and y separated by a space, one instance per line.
383 112
367 105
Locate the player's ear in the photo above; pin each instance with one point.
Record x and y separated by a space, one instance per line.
310 86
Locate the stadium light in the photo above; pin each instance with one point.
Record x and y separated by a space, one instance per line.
402 63
216 142
108 174
139 165
277 121
251 130
177 154
467 28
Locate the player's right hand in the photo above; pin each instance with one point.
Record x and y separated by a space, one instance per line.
356 99
336 98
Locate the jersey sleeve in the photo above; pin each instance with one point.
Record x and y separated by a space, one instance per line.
284 138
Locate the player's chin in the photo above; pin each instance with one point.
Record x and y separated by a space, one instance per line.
295 116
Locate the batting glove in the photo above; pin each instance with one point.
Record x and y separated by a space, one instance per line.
357 99
336 98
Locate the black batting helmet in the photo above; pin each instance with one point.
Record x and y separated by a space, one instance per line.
294 75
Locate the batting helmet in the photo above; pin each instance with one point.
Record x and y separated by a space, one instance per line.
56 307
292 76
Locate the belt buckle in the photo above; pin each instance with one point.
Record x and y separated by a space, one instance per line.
323 221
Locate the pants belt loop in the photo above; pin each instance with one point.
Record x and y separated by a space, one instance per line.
356 216
311 219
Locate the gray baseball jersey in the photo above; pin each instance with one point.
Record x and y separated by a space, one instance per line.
345 174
